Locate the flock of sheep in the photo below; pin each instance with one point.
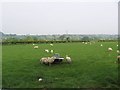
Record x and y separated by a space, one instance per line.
109 50
50 60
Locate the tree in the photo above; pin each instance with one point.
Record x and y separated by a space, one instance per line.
62 37
28 38
68 39
85 38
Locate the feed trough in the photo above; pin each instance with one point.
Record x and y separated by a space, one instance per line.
58 59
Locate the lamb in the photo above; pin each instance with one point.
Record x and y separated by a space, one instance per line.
110 49
35 47
68 59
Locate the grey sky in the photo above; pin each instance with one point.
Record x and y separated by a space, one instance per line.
59 17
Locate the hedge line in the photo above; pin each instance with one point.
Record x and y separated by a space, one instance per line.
30 42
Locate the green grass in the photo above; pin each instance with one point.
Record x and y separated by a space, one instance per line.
92 66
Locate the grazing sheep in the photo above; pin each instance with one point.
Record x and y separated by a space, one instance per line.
35 47
110 49
46 50
86 43
50 60
51 51
33 44
51 44
117 45
47 60
68 59
118 51
44 60
101 45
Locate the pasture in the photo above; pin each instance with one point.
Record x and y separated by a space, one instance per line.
92 66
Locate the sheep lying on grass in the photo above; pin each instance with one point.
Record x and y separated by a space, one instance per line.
68 59
110 49
35 47
46 50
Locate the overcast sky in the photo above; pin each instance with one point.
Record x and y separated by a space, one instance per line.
59 17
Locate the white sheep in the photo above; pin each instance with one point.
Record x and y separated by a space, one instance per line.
46 50
110 49
51 60
44 60
51 51
86 43
101 45
118 51
35 47
47 60
40 79
51 44
117 45
68 59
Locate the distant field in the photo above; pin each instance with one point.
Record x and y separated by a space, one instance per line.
92 66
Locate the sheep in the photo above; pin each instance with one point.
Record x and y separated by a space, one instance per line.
51 44
117 45
46 50
44 60
50 60
118 51
68 59
86 43
51 51
101 45
110 49
47 60
40 79
35 47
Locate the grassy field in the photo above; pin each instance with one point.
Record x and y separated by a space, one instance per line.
92 66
